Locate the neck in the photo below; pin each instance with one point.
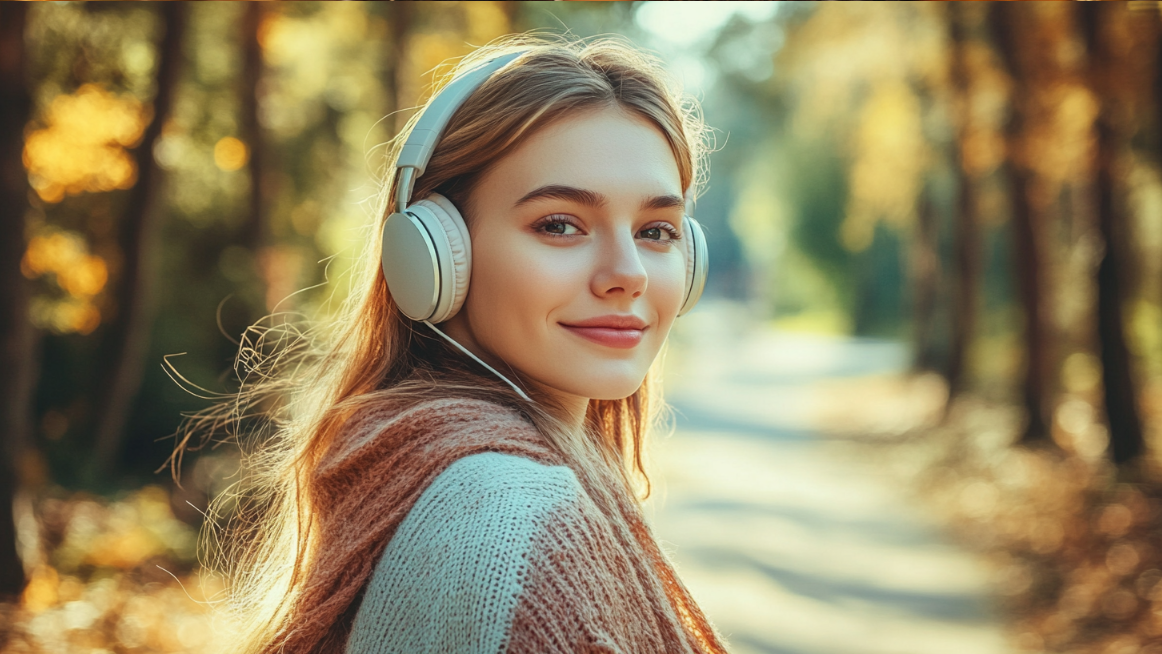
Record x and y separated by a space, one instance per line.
455 343
568 407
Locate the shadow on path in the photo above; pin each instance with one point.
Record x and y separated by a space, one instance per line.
962 608
688 417
880 530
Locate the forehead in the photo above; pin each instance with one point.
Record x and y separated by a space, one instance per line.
606 150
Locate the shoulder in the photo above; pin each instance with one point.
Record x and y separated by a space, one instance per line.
445 415
388 434
451 576
485 491
496 479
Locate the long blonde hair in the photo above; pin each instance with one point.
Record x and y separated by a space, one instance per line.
302 385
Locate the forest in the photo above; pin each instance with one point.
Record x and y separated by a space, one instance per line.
981 182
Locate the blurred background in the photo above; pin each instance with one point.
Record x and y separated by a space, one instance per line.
919 408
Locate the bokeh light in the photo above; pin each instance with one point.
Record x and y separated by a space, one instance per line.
82 147
230 154
63 256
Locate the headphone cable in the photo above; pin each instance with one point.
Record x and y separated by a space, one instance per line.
477 359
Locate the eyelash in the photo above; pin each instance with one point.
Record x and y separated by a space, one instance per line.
666 227
556 219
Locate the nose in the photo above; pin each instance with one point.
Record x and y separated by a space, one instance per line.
619 269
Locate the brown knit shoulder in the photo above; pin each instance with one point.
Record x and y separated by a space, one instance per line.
440 430
365 485
598 583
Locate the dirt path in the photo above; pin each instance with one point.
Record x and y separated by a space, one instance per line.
788 540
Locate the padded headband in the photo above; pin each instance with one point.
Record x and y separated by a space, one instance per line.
417 150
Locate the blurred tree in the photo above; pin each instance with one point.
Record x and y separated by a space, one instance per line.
399 24
1009 26
513 17
966 246
739 207
17 354
1120 390
862 86
926 276
1156 99
254 227
139 236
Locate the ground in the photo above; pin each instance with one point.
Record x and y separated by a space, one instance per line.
791 539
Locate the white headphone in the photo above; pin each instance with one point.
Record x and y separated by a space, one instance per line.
427 253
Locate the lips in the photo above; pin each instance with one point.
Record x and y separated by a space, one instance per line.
622 332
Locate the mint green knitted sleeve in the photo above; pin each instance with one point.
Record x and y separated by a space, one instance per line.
451 576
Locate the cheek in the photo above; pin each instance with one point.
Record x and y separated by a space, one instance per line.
515 285
667 285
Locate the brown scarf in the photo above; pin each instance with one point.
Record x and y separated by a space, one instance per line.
371 477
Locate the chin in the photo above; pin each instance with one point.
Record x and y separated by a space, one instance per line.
621 395
602 385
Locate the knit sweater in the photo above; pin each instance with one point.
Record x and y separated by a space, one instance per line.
452 526
479 541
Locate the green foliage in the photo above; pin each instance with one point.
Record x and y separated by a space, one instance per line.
815 187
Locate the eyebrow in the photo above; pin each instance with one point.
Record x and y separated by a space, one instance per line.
587 198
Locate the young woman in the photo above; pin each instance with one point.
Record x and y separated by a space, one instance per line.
455 461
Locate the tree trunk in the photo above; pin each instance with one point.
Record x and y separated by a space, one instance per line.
1126 441
512 13
253 232
1158 118
1027 264
399 24
140 240
1003 19
17 358
925 284
966 243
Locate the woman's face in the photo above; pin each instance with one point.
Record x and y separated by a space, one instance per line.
578 269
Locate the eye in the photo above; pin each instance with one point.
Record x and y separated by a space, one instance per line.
664 233
557 225
560 228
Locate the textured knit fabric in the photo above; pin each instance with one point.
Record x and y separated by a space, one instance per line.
451 576
440 547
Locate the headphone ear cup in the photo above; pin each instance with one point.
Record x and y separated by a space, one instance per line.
427 259
458 269
697 264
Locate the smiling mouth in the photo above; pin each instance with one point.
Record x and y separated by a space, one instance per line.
616 332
